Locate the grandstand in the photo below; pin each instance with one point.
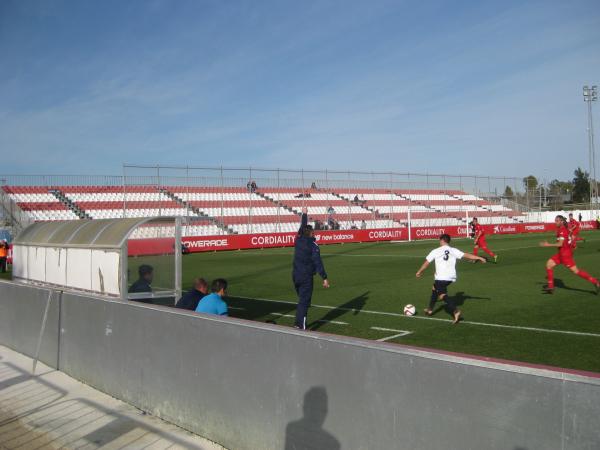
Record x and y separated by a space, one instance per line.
218 209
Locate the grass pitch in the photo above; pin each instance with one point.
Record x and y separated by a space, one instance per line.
506 315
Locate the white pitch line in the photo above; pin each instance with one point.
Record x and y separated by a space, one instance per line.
371 255
293 317
237 308
389 329
494 325
400 333
421 257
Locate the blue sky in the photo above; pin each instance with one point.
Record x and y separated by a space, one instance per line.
480 87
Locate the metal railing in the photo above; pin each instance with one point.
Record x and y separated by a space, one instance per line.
340 188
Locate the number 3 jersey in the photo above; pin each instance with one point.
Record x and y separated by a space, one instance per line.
445 262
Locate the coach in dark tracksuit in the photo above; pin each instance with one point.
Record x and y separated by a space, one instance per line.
307 262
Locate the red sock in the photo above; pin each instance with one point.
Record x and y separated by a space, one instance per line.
550 277
587 276
475 251
487 250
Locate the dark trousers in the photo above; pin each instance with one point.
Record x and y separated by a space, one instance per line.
304 289
3 264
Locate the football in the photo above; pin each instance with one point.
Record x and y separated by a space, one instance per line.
409 310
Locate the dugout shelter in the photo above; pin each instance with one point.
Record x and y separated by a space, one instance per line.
101 256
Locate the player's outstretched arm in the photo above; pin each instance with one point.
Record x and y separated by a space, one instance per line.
422 269
304 221
474 257
548 244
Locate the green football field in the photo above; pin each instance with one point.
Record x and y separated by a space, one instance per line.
506 315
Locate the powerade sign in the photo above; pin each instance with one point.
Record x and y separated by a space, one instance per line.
206 243
538 227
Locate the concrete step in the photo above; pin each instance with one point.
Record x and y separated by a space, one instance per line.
51 410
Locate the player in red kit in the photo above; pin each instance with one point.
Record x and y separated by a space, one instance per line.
480 242
564 256
574 229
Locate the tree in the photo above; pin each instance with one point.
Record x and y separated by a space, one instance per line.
560 186
581 186
530 182
508 192
558 193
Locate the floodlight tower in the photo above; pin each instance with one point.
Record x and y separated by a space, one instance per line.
590 94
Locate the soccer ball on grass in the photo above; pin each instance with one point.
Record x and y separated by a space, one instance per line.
410 310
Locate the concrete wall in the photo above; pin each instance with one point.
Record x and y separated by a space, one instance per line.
21 313
256 386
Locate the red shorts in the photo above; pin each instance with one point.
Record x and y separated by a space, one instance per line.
566 260
481 242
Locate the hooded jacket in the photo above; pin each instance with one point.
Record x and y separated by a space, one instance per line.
307 256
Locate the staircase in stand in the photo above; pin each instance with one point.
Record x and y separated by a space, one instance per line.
197 212
61 197
277 203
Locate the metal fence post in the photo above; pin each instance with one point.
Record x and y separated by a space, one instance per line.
124 194
349 204
158 189
374 203
250 227
303 189
187 199
177 259
278 204
409 217
222 198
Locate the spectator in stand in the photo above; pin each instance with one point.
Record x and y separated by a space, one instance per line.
356 200
330 213
144 283
214 303
363 225
253 186
3 255
313 185
249 185
191 299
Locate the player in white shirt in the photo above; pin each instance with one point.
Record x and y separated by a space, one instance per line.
445 258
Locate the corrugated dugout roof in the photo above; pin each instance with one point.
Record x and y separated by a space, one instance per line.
97 233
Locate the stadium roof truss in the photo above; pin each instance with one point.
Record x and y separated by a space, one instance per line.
95 255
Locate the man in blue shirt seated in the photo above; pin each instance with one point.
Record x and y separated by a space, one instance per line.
213 303
191 299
